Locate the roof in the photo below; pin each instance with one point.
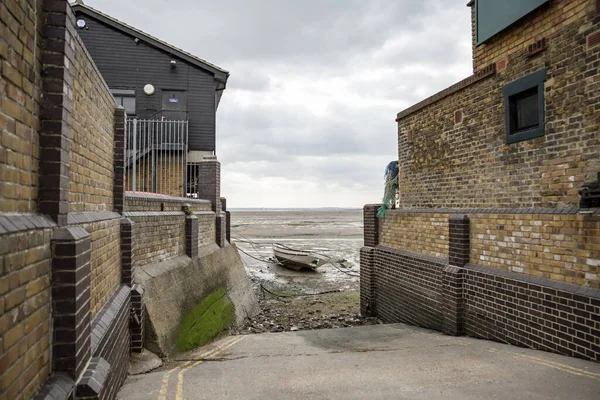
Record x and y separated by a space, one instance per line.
79 7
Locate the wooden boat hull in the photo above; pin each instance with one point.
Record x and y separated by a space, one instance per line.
296 259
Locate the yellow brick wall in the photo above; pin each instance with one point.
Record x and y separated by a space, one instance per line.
92 145
541 23
105 261
419 232
469 164
158 237
20 67
564 248
25 313
206 228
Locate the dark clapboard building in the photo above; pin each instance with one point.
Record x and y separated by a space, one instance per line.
155 81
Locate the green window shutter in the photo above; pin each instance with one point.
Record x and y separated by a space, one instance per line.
493 16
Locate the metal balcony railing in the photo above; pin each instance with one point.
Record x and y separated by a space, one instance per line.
156 156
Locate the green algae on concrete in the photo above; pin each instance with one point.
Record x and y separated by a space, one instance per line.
205 321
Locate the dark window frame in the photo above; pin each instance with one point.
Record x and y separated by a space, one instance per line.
510 92
125 93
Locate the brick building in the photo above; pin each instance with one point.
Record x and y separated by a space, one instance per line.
68 229
492 238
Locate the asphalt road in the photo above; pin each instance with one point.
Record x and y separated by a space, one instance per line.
371 362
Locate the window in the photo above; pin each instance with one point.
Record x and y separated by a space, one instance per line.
524 107
125 98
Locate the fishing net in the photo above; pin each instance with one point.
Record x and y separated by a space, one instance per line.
390 194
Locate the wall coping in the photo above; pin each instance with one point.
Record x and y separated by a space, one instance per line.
536 280
490 70
533 210
91 216
162 198
130 214
12 223
412 254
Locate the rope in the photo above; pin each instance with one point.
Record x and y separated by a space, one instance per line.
264 289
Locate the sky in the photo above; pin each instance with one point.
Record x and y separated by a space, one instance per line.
307 119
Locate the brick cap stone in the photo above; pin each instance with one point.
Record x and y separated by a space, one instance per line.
70 233
94 378
137 289
191 217
126 221
58 386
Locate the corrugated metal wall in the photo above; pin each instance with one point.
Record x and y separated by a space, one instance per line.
127 64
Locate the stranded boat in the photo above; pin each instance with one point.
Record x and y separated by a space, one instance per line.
296 259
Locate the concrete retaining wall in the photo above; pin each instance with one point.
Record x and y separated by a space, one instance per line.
173 287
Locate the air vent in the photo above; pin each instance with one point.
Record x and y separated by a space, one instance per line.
537 47
593 40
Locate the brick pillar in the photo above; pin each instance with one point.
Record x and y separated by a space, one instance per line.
227 219
58 60
371 225
119 162
459 243
367 282
136 325
453 274
221 229
191 236
209 182
127 252
71 342
367 260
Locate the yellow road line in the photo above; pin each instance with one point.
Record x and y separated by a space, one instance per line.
568 368
225 346
556 365
165 381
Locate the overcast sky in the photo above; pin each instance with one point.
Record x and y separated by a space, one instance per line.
307 119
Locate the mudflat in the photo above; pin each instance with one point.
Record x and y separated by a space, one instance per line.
290 300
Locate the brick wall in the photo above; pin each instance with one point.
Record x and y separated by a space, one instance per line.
563 247
408 288
544 22
531 312
25 312
20 60
484 299
158 235
423 233
206 227
468 164
105 263
92 143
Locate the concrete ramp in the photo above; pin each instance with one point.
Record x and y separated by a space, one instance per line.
174 287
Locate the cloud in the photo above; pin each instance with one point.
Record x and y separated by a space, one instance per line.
307 119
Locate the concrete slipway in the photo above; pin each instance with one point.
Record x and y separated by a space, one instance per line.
371 362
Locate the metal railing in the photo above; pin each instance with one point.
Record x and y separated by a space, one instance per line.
156 156
193 180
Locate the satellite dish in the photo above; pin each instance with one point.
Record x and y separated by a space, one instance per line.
81 23
149 89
